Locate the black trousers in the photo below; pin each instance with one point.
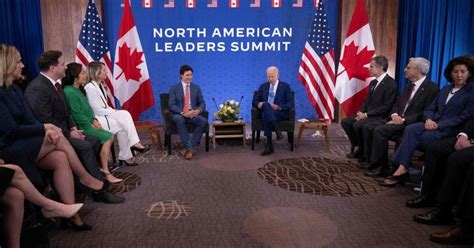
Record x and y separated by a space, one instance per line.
457 178
436 155
354 130
376 138
465 211
87 151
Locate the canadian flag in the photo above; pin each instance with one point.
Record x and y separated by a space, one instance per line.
234 3
131 80
190 3
147 3
353 75
276 3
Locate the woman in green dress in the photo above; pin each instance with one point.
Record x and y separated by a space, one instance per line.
73 83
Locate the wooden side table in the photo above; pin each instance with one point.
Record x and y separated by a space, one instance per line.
313 124
225 130
153 129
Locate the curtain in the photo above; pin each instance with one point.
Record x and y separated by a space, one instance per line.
437 30
20 26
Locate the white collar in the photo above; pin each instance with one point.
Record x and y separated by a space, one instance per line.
381 77
51 80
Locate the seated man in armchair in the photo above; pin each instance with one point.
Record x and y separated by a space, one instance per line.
186 103
275 100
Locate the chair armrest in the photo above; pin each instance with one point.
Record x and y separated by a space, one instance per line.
205 114
166 114
292 114
256 113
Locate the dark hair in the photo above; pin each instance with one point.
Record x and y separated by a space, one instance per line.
72 72
49 58
381 61
185 68
467 60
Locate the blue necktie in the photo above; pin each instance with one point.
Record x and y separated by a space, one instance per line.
271 94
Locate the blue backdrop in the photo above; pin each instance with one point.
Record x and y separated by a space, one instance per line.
436 30
221 74
20 26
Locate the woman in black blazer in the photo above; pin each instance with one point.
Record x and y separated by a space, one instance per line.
30 144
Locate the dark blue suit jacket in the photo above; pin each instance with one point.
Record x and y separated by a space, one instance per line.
17 120
21 135
456 111
283 97
176 100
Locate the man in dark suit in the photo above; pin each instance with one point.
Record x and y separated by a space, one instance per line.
409 108
45 97
381 97
462 175
275 100
436 163
186 103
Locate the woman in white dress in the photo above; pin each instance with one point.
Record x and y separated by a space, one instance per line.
118 122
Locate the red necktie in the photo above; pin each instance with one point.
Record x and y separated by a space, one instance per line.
58 88
187 98
405 100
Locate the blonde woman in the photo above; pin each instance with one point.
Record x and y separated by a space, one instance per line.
118 122
81 111
30 144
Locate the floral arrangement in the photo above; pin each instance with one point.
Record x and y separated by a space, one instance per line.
228 111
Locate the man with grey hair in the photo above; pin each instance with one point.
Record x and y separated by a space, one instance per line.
418 94
275 100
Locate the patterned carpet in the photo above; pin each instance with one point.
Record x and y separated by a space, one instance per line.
233 197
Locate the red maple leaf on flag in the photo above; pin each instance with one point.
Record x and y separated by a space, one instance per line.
129 63
354 62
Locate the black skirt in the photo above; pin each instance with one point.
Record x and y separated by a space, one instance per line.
6 175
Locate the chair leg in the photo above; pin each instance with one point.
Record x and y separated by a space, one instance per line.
207 141
291 139
112 152
258 136
168 141
253 140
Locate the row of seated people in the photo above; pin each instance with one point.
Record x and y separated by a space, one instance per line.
440 122
64 132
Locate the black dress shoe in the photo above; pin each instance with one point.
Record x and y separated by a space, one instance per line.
65 223
391 181
374 172
268 150
368 167
422 201
455 235
140 150
124 162
106 196
279 135
362 160
435 216
356 154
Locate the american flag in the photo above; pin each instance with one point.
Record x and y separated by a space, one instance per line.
316 70
92 46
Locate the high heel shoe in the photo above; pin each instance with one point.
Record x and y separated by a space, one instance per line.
124 162
68 212
391 181
140 150
111 178
65 223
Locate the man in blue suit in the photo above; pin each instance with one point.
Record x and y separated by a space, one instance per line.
275 100
186 104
